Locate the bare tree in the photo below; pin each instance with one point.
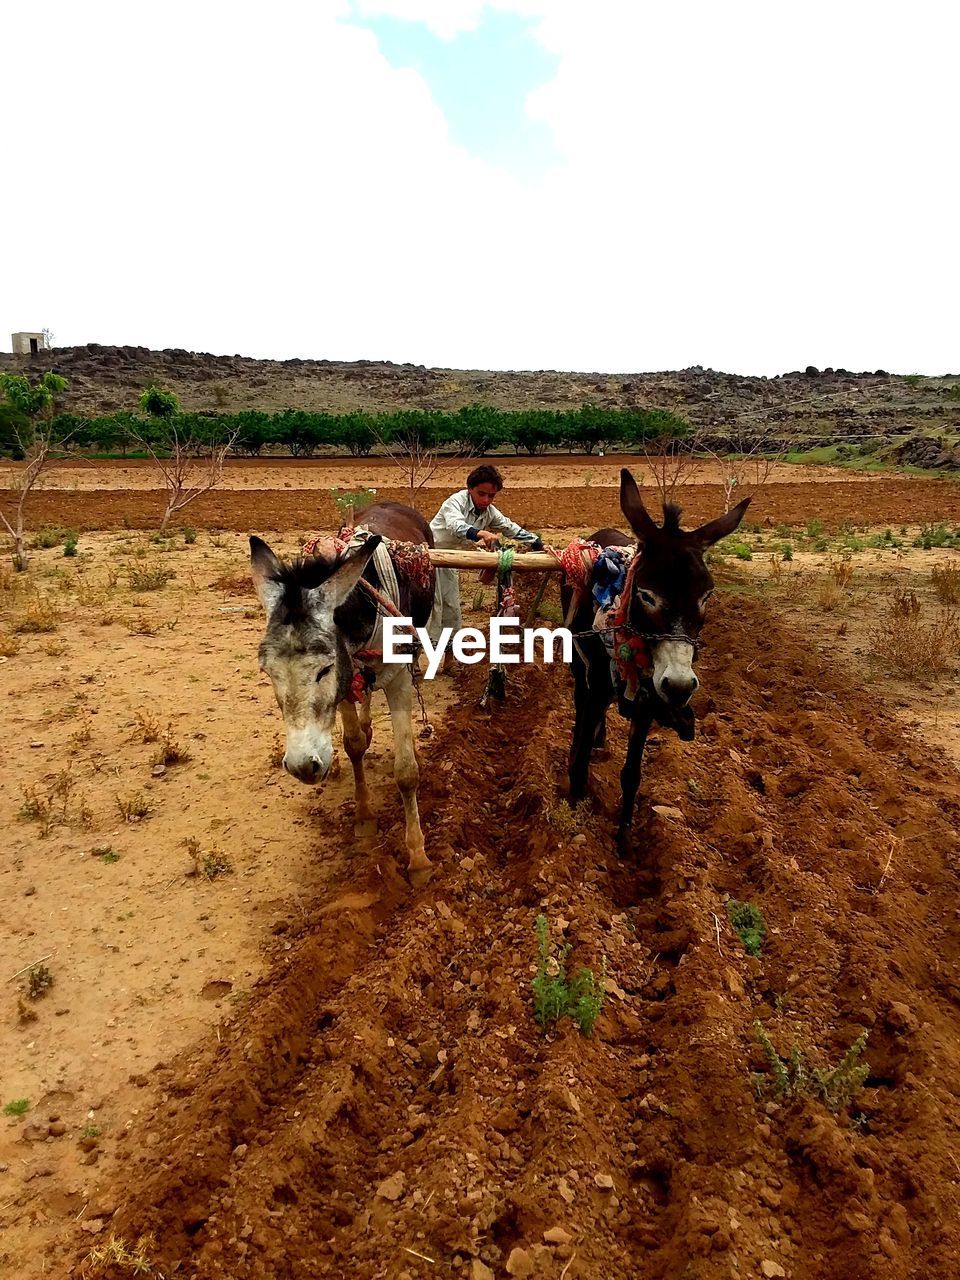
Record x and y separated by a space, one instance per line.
671 462
752 454
35 455
30 433
190 467
418 457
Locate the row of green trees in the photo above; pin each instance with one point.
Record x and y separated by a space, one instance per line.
475 429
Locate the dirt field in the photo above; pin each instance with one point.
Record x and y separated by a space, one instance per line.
281 494
291 1065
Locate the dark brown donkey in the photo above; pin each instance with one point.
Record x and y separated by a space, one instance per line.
668 592
318 618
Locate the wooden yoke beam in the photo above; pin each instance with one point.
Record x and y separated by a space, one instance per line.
530 561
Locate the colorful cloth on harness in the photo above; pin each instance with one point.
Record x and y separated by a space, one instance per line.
610 571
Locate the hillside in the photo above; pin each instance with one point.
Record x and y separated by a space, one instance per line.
812 406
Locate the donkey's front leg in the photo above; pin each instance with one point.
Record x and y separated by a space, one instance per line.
356 739
630 779
399 693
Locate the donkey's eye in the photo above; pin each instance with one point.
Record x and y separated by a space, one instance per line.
648 600
323 672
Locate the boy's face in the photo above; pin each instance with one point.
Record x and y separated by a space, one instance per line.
482 495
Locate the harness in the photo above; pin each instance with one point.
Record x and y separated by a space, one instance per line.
400 565
628 648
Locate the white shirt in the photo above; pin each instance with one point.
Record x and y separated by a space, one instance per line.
458 514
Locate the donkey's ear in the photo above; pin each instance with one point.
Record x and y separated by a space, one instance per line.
631 504
712 532
340 583
265 568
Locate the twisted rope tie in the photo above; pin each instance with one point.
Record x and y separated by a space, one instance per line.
505 562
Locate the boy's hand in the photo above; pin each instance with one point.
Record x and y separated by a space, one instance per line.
487 538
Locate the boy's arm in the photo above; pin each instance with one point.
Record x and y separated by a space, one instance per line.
499 523
451 514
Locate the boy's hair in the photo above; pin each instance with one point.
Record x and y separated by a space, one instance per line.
485 475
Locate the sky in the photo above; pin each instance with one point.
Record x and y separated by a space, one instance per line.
617 186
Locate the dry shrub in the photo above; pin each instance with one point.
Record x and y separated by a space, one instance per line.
946 583
142 626
914 647
38 616
841 571
148 727
830 596
150 579
170 751
9 645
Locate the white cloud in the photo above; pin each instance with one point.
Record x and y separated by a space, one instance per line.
753 187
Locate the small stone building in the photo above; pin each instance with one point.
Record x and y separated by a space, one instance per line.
28 344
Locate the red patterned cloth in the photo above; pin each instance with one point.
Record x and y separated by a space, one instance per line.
631 653
577 561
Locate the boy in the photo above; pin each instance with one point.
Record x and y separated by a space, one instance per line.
467 518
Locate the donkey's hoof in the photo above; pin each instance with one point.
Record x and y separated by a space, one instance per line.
420 874
365 830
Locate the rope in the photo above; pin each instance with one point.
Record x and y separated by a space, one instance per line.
505 562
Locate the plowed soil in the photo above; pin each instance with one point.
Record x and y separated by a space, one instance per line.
386 1106
880 502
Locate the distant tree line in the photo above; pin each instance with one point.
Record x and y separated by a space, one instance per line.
475 429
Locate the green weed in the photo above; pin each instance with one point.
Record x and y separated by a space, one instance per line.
798 1077
748 924
555 996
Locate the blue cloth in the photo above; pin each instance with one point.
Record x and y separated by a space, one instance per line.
609 575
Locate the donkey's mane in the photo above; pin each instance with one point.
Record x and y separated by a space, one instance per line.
671 518
304 573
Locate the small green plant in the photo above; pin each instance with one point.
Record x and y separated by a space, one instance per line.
555 996
933 535
748 924
105 853
350 503
39 981
18 1107
814 528
70 546
189 536
49 536
913 379
90 1131
741 551
798 1077
821 544
787 552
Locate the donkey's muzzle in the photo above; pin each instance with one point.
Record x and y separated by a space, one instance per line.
677 689
309 771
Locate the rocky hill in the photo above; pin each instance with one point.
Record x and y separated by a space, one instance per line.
809 406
